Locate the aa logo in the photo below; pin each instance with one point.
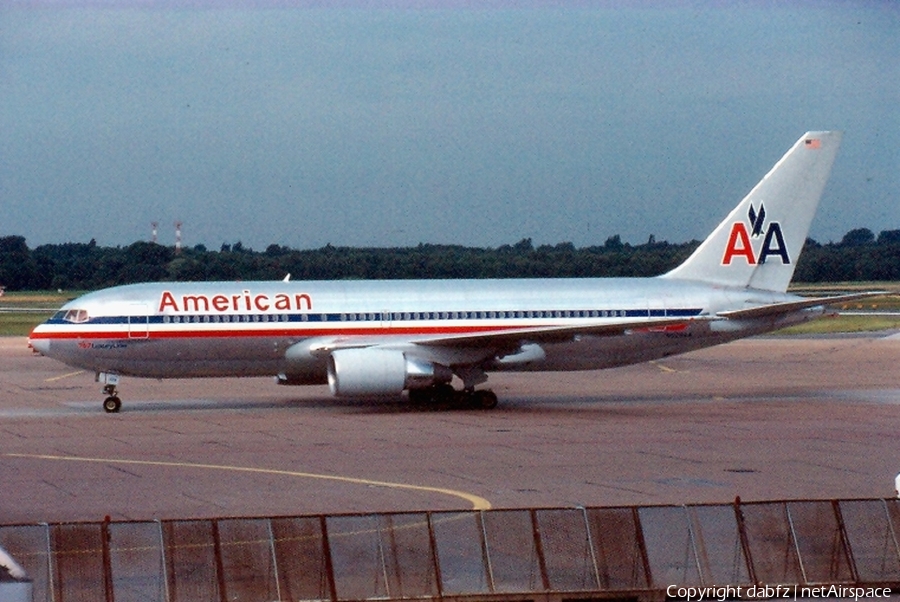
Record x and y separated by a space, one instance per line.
740 241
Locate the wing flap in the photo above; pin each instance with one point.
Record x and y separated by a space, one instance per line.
548 334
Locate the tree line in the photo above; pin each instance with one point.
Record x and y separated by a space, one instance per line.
860 255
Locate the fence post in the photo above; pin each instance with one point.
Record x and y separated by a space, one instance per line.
220 566
845 541
326 551
432 540
485 550
642 545
745 543
539 548
107 560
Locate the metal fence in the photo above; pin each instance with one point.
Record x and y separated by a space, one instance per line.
537 554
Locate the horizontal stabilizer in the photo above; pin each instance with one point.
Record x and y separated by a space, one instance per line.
777 309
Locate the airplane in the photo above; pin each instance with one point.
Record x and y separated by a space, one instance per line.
382 337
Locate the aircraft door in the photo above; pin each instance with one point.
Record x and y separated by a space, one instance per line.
138 321
657 306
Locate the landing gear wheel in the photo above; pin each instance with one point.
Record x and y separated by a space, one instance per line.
420 396
112 404
484 399
444 394
445 397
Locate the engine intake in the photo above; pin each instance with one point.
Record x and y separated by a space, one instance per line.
373 371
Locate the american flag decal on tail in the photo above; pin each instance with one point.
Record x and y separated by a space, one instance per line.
813 143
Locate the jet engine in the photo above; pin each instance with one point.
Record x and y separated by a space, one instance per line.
373 371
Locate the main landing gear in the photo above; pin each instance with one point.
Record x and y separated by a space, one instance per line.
112 403
445 396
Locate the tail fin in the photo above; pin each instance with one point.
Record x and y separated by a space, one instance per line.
758 244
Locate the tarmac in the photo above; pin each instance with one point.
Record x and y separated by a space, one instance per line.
763 418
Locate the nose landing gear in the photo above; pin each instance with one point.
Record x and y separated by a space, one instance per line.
112 403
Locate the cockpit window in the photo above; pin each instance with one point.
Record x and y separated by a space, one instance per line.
76 316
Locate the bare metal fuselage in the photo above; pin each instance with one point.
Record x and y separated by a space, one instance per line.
270 329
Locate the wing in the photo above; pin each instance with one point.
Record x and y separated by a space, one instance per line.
502 339
550 334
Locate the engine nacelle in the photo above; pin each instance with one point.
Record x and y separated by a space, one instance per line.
372 371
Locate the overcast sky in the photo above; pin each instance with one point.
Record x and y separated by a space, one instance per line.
297 125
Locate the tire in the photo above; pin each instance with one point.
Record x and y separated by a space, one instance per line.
420 396
112 404
485 400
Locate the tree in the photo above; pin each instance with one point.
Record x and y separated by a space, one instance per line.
889 237
613 243
858 237
524 245
17 268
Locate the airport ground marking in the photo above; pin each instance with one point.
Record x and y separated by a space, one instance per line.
478 502
62 376
663 367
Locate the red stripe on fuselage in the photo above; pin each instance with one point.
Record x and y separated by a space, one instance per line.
272 332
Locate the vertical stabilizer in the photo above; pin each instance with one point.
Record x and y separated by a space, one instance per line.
758 244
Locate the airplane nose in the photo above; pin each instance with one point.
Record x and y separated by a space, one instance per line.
42 346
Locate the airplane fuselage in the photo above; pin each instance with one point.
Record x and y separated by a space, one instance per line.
178 330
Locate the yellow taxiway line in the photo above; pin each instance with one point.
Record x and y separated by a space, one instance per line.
662 367
55 378
478 503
